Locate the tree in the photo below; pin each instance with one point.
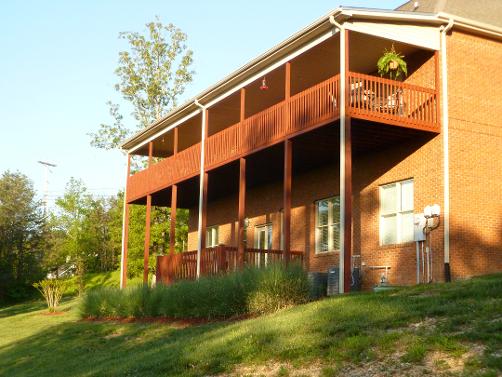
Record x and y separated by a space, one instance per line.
22 229
152 76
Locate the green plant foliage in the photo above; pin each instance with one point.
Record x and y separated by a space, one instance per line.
153 74
52 290
279 287
248 291
384 64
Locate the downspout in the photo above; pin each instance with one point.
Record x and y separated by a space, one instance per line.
341 258
201 183
446 157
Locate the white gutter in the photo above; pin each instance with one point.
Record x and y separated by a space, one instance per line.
446 157
201 184
122 254
341 258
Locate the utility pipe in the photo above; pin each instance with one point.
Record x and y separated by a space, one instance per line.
201 183
342 152
446 157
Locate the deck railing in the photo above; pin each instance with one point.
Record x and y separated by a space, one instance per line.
214 261
390 101
370 97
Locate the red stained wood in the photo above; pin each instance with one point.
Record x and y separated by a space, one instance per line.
172 228
288 162
242 211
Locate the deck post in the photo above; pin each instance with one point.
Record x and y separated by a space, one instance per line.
150 153
125 230
174 202
345 257
287 198
202 191
146 254
172 225
242 213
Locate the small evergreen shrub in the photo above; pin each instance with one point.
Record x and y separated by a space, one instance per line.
248 291
52 290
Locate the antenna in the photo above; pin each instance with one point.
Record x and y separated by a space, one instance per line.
47 170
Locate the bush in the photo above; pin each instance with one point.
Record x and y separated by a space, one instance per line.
52 290
248 291
279 287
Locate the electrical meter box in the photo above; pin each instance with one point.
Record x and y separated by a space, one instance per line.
419 222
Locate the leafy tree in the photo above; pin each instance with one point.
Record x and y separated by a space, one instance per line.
22 229
152 75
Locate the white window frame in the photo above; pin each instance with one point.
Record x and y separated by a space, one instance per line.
212 234
331 222
399 212
268 235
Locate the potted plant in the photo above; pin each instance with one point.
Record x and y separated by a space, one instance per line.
392 63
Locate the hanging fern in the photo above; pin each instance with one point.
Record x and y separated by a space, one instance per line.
388 58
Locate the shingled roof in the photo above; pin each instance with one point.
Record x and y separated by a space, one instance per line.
485 11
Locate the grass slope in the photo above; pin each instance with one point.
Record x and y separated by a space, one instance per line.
453 329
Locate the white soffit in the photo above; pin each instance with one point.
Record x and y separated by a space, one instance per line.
423 36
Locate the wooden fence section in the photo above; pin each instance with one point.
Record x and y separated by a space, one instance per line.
214 261
395 102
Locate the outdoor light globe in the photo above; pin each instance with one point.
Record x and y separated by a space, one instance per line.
436 209
428 211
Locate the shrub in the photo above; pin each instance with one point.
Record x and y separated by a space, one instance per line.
279 287
52 290
248 291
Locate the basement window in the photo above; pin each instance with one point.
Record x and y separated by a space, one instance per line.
212 236
396 212
327 230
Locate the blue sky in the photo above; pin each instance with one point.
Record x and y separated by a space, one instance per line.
57 70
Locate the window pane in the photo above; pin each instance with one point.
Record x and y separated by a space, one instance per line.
322 238
335 209
388 199
389 229
269 237
407 227
407 196
322 212
335 234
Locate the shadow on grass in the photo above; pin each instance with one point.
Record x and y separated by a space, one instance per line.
26 307
317 331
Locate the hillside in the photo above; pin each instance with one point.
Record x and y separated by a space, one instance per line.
443 329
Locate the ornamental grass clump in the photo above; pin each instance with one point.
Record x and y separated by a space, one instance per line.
52 290
249 291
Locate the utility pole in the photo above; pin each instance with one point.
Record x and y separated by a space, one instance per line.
47 166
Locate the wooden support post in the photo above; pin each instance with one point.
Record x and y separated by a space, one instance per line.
146 254
150 153
175 140
125 230
287 198
242 213
347 260
287 94
172 228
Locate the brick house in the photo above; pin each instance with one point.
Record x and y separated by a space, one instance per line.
306 153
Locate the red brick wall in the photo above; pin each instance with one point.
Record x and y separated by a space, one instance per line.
475 106
475 182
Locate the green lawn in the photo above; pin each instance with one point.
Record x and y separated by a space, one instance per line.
453 329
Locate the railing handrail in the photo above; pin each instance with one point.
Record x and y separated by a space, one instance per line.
396 83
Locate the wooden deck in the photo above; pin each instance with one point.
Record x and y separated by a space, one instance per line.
371 98
214 261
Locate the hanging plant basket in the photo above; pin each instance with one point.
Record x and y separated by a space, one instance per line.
392 64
